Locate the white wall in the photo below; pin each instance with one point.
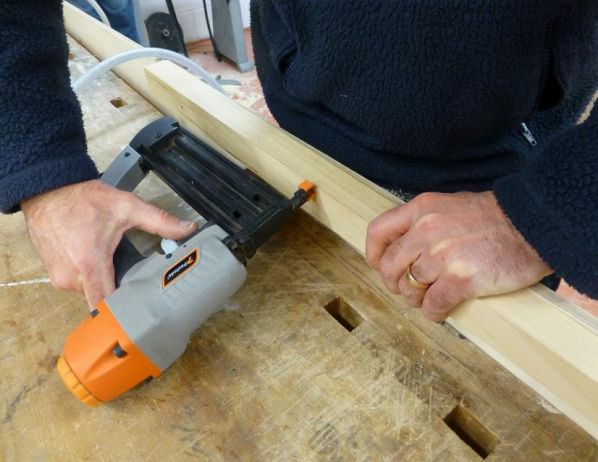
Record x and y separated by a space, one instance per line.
191 15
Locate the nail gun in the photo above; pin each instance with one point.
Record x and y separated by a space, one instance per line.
143 327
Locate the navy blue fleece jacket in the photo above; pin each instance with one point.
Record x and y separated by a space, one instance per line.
435 95
416 95
42 142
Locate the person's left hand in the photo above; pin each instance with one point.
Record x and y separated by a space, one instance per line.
456 246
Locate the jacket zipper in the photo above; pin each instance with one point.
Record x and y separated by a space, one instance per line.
528 135
547 58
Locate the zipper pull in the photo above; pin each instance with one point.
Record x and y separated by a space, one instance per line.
527 134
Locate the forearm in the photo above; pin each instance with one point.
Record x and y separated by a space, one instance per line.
553 202
42 145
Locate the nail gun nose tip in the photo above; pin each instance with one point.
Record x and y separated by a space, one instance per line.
309 188
74 385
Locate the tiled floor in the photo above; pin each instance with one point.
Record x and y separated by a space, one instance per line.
249 93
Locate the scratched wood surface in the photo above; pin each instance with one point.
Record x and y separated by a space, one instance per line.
274 376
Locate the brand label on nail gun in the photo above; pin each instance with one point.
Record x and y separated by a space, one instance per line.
180 268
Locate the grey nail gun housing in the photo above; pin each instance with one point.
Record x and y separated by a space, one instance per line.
163 298
242 213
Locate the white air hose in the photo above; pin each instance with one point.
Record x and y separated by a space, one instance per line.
98 9
138 53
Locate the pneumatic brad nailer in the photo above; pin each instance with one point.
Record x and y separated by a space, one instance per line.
144 326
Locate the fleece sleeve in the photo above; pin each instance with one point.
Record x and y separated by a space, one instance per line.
553 202
42 141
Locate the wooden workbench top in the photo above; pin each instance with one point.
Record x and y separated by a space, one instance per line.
311 360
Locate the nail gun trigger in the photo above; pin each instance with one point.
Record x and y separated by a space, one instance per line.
168 245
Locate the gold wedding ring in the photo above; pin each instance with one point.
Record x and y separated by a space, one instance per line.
414 282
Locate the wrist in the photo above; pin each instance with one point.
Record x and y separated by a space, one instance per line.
53 198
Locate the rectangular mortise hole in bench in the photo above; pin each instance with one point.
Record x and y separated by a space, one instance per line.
471 431
344 313
118 102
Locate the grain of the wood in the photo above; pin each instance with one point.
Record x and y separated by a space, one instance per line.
346 203
276 379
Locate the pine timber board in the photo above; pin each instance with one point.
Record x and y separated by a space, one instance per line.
547 342
273 378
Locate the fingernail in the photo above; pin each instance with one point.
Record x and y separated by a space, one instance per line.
186 224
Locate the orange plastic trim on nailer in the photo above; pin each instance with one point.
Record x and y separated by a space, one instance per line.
309 188
89 354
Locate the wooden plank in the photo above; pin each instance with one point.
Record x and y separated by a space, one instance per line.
547 359
276 378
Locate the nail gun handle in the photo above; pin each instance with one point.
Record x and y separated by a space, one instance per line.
125 257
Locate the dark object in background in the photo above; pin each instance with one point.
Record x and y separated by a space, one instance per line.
164 30
180 36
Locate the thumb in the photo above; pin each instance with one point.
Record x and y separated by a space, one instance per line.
155 220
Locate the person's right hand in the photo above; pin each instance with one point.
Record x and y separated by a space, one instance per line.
76 229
